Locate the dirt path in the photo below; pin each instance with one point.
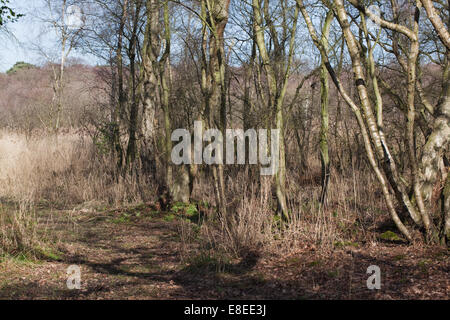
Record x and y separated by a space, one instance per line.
136 255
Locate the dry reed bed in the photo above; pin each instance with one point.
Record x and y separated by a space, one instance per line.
63 171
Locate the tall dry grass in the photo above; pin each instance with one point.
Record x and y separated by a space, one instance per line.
62 171
355 206
66 172
18 232
70 171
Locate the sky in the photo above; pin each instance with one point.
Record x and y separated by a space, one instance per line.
27 35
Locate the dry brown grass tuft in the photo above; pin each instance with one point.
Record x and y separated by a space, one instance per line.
18 233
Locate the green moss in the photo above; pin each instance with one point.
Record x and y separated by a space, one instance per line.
390 236
50 254
124 218
169 217
27 259
343 244
184 210
24 258
191 210
177 207
276 222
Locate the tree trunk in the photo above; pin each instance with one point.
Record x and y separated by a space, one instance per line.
324 87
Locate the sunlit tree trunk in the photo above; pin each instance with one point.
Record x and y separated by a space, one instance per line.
439 138
276 86
446 207
164 66
214 17
324 101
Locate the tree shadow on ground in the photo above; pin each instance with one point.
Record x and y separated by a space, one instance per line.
142 261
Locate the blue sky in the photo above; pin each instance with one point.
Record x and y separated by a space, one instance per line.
28 34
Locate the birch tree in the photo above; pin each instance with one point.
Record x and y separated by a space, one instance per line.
324 102
370 118
277 67
214 18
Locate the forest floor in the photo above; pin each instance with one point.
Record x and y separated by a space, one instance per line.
137 254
